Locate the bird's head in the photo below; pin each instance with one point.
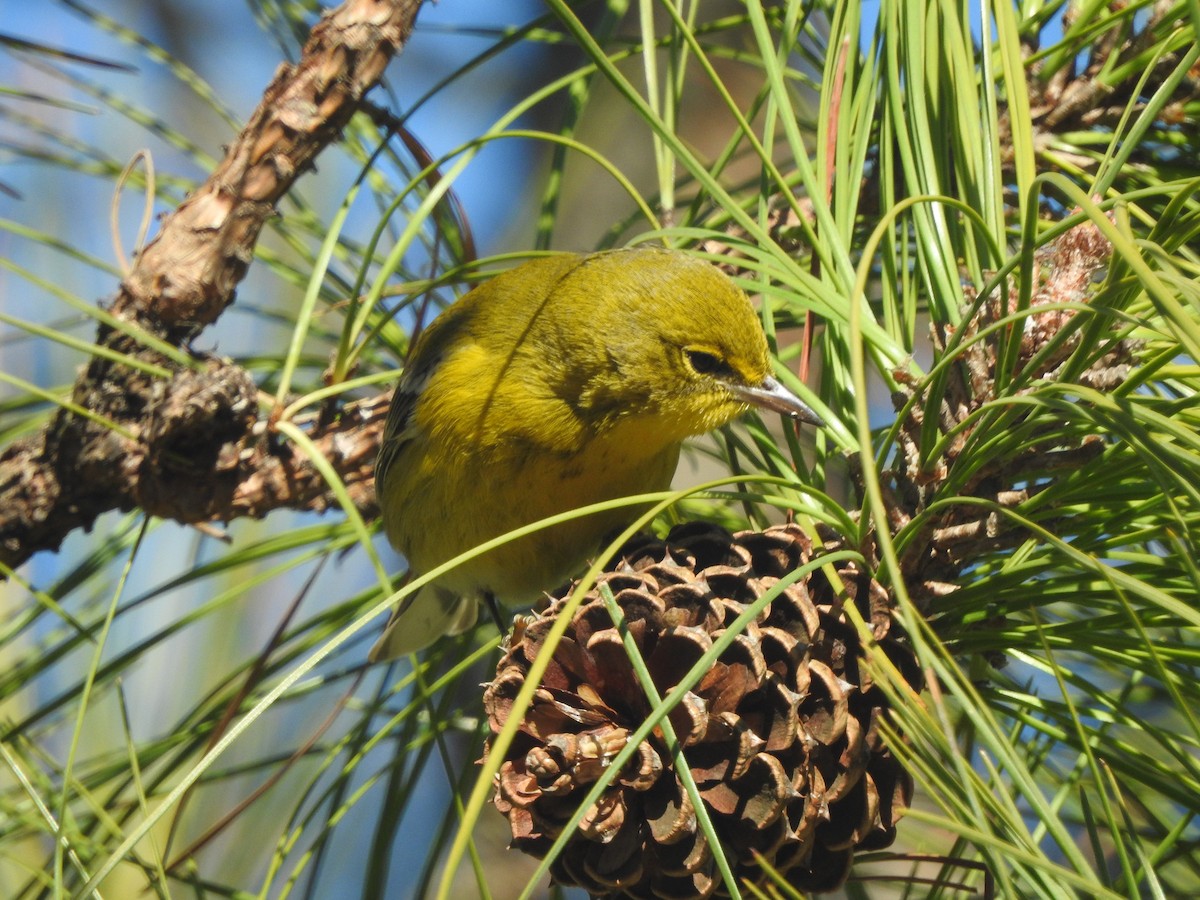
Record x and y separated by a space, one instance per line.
672 337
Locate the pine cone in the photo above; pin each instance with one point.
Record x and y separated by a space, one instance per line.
781 735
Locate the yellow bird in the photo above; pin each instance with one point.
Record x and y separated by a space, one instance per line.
565 381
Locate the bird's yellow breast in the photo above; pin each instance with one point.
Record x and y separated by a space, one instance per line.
509 493
513 455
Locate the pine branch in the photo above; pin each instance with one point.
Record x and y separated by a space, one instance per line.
196 447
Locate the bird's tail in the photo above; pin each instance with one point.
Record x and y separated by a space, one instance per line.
421 619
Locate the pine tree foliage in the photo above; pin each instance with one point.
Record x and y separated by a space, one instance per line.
973 231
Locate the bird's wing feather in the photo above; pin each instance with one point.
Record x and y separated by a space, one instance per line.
400 426
427 355
421 619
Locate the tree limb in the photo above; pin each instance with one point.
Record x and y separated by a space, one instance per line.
194 447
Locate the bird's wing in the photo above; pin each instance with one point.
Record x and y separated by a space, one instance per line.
400 426
421 619
449 332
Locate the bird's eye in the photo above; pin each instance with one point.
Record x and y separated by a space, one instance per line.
705 363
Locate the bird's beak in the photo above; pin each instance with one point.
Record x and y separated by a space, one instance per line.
774 396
